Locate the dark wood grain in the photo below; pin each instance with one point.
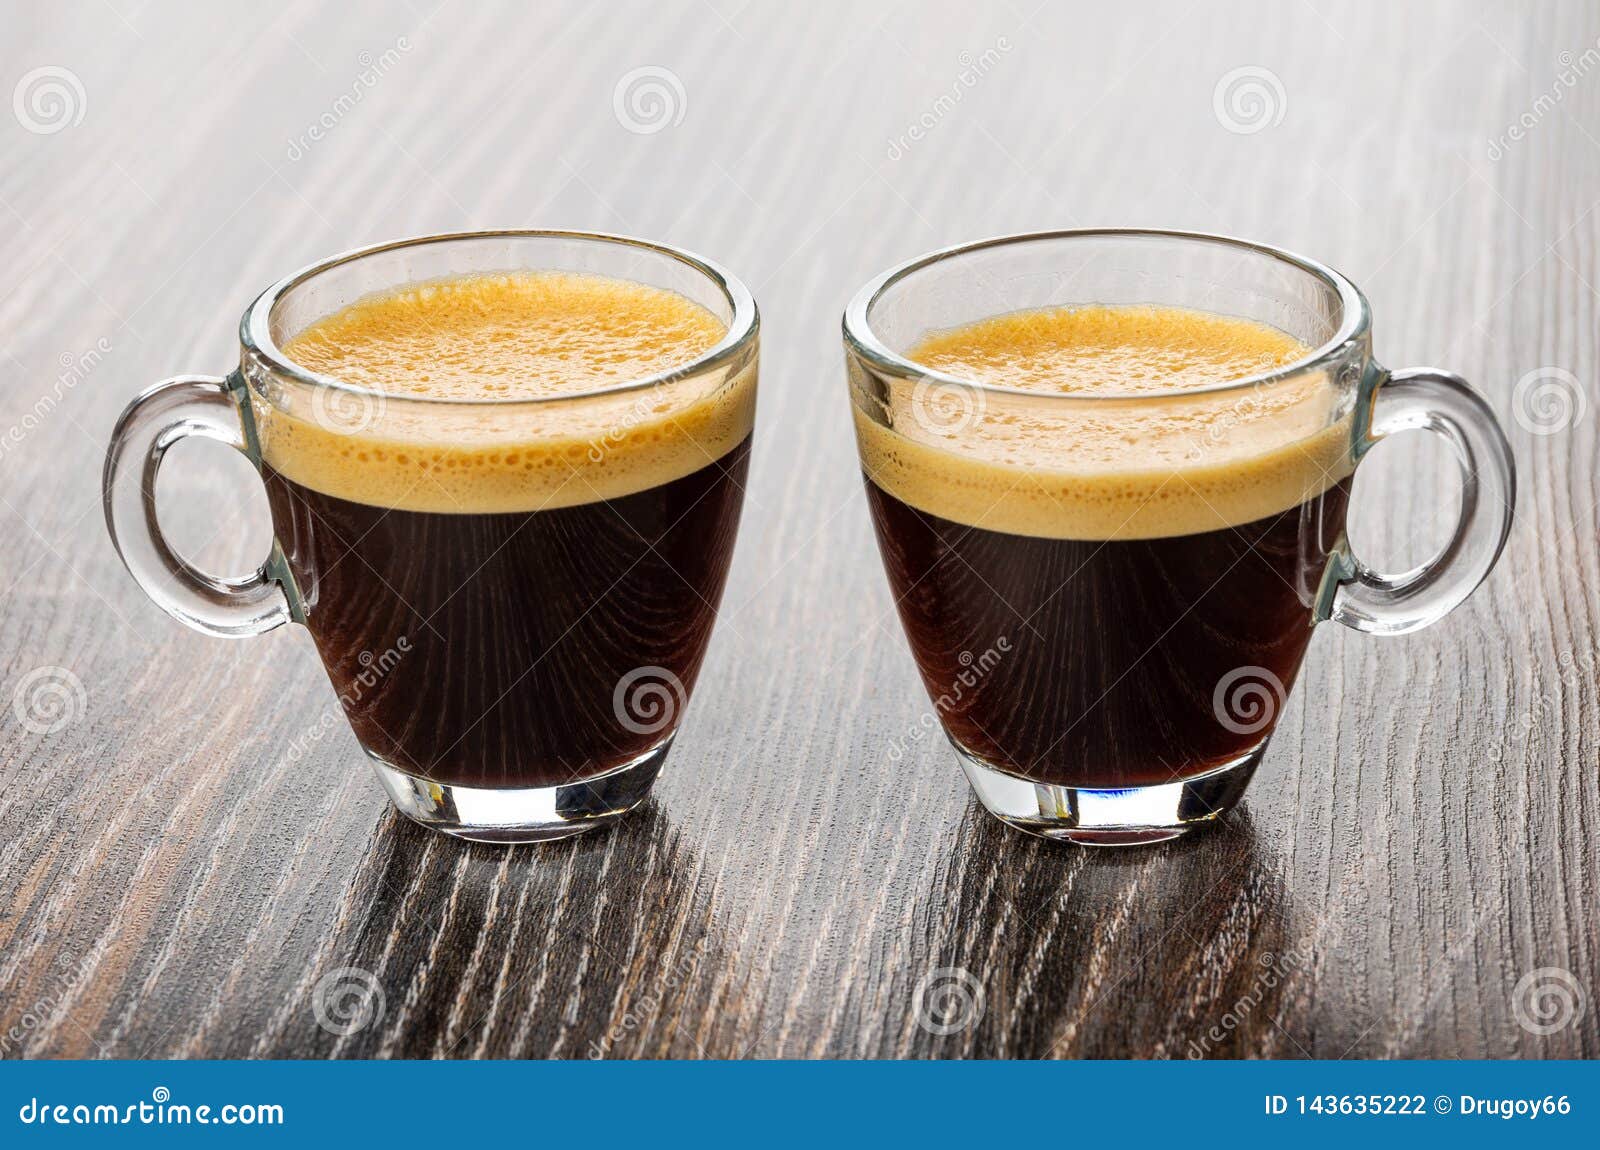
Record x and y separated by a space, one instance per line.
184 861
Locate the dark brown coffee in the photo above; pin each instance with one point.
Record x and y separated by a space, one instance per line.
1098 663
509 554
494 650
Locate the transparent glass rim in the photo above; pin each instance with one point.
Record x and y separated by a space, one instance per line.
863 341
255 328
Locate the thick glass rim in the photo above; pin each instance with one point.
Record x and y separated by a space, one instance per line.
863 341
255 328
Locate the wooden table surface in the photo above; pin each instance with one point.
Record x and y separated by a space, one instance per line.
187 853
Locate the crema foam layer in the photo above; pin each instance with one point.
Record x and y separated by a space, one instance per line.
1139 454
525 336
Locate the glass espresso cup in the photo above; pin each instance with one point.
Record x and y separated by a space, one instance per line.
512 598
1109 596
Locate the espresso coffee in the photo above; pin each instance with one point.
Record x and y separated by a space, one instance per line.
510 594
1120 596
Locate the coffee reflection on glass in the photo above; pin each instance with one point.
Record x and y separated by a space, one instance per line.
505 472
1108 474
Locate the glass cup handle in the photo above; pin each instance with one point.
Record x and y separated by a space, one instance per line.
1438 401
173 409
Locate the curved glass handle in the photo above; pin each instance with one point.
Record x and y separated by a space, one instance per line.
171 410
1428 400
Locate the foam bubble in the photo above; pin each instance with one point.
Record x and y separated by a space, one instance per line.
1160 460
507 337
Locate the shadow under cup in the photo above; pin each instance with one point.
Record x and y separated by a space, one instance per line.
1109 597
512 599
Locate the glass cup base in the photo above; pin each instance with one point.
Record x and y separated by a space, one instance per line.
523 814
1122 816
